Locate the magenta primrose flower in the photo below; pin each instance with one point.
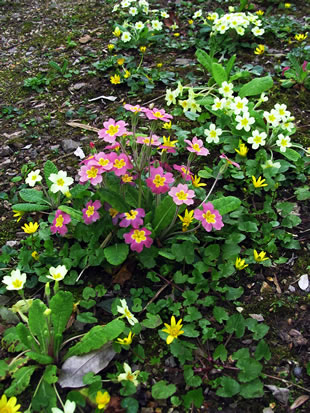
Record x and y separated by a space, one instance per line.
59 223
223 156
182 195
138 238
134 109
91 172
209 217
146 140
157 114
120 163
133 218
159 181
112 129
90 213
184 171
197 146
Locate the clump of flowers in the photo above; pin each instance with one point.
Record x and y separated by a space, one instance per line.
239 22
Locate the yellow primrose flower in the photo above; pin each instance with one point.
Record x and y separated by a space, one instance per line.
187 219
111 46
300 37
167 125
243 149
127 340
159 64
9 406
196 181
287 5
35 255
260 12
18 215
102 399
259 257
143 49
127 74
117 32
30 228
173 330
260 49
240 264
259 183
115 79
120 61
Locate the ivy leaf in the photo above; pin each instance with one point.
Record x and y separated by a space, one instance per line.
236 323
45 398
220 353
116 254
21 379
193 397
163 390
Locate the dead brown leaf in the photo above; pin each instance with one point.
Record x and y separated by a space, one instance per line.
299 401
122 276
85 39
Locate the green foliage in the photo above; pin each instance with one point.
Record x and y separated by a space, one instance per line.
163 390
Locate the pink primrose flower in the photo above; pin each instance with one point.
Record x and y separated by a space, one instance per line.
91 172
138 238
134 109
104 161
158 181
90 213
120 163
146 140
114 214
157 114
115 146
223 156
112 129
182 195
185 172
197 146
133 218
59 223
209 217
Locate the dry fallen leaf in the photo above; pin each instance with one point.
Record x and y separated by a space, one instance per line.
85 39
122 275
299 401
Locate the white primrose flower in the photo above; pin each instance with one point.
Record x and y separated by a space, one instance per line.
213 134
272 117
133 11
184 104
283 142
226 89
115 8
123 309
282 112
257 139
218 104
129 375
145 9
57 273
239 105
69 407
139 25
244 122
289 126
126 37
197 14
170 97
125 3
193 105
270 164
61 182
179 89
164 14
33 177
143 3
258 31
156 25
263 98
15 281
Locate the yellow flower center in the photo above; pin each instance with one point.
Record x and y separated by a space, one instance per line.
130 376
196 147
131 215
92 172
103 162
127 313
127 178
57 276
60 182
213 134
59 221
138 236
257 139
159 180
90 211
16 284
239 105
272 118
119 163
157 115
209 217
283 142
226 89
244 121
34 177
182 196
112 130
113 212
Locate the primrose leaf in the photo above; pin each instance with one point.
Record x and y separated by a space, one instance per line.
49 168
21 379
256 86
32 195
49 374
291 154
30 207
204 59
45 398
114 199
38 324
61 305
163 390
74 368
40 358
116 254
164 214
78 215
219 73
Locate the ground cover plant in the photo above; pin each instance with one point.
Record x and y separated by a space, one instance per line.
155 168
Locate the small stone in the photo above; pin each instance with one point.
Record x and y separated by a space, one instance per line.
170 362
54 147
54 123
297 371
69 145
79 86
5 150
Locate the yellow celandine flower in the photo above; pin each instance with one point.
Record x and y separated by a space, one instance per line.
168 143
9 406
243 149
240 264
260 12
102 399
196 181
167 125
117 32
259 257
18 215
111 46
187 219
176 34
127 340
191 21
260 49
287 5
259 183
159 64
143 49
35 255
30 228
115 79
120 61
127 74
300 37
173 330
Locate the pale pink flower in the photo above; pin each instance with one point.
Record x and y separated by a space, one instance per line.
104 160
135 108
184 171
120 163
146 140
91 172
182 195
112 129
223 156
157 114
196 146
209 217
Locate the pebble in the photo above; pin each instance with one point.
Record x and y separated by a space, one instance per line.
69 145
297 371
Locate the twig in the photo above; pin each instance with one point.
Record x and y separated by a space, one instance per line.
155 296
